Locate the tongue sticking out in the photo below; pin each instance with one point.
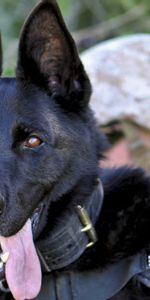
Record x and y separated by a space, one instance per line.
23 271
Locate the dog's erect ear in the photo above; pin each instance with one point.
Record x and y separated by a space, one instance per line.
1 55
48 57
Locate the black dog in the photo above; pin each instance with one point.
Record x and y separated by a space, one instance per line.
50 181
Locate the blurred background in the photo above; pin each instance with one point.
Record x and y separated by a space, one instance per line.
92 21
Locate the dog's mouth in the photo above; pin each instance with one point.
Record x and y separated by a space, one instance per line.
22 266
36 217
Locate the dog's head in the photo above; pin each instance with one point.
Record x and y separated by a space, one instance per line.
49 142
48 139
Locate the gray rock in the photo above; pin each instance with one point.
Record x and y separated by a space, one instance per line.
119 70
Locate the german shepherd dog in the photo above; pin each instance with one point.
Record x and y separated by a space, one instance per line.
65 223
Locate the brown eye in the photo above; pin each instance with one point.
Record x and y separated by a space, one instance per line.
33 142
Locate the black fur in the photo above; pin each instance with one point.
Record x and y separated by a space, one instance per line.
49 98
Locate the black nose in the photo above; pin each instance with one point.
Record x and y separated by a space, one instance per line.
2 203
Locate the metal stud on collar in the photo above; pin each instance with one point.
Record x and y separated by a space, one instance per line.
4 256
87 226
148 261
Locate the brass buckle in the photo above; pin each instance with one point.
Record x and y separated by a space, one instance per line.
87 226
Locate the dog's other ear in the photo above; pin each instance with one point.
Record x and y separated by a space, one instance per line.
1 55
48 57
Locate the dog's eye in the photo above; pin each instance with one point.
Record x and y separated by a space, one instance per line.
32 142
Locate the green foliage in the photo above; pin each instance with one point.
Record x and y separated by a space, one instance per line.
78 14
12 15
9 56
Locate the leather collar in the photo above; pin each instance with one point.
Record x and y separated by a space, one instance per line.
70 239
98 283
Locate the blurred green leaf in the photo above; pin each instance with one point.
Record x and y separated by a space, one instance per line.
78 14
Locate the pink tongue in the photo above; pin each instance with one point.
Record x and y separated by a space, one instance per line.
23 271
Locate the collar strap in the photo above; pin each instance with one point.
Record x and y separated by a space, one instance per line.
99 283
73 234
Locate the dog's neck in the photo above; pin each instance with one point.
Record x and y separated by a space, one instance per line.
66 240
61 198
